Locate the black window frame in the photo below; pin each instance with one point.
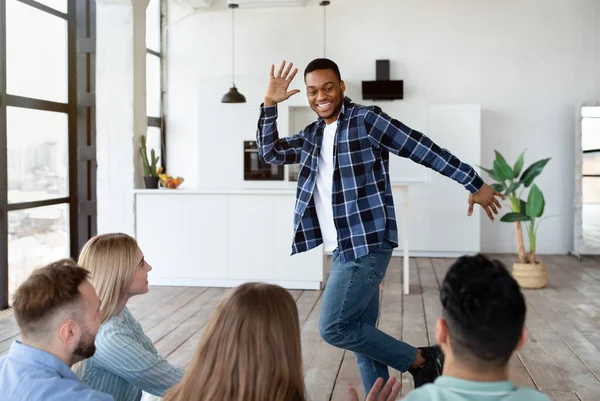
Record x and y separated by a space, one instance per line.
81 111
159 121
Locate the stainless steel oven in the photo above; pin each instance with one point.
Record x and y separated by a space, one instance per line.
256 170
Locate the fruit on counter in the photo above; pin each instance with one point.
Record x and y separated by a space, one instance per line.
170 182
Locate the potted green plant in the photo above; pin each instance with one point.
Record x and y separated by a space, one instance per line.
150 170
512 181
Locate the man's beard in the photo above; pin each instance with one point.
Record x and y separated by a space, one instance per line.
86 347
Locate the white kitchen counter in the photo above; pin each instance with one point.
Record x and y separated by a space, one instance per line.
216 238
184 191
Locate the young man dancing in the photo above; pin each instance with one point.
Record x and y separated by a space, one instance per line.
344 200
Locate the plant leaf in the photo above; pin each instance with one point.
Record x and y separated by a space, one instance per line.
512 188
502 170
535 203
519 164
499 156
512 217
533 171
498 187
490 173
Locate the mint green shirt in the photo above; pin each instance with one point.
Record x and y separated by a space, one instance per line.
446 388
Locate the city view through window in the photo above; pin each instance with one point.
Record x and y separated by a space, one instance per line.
36 140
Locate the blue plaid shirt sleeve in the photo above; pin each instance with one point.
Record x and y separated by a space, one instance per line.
271 148
395 137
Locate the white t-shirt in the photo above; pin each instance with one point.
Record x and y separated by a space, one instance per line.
323 195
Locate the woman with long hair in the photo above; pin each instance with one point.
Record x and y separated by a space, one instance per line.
126 363
251 351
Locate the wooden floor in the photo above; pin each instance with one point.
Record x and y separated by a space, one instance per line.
562 358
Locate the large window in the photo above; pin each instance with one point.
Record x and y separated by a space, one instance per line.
590 183
155 134
47 128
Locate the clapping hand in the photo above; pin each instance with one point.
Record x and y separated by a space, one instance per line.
389 393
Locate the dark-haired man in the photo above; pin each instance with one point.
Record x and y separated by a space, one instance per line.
344 200
482 324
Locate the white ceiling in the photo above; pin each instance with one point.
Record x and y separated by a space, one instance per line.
246 3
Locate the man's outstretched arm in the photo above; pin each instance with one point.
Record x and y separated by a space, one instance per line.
390 134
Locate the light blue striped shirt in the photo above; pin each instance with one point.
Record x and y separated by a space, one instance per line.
28 373
127 363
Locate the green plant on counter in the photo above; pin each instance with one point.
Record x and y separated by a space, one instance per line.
149 165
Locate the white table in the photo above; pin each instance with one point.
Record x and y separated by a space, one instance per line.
404 190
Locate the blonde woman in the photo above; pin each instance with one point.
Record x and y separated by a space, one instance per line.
251 351
126 363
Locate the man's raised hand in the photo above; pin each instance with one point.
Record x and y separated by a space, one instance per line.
277 91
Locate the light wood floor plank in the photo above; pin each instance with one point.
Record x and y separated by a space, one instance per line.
562 357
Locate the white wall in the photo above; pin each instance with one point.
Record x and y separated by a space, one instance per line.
526 62
120 109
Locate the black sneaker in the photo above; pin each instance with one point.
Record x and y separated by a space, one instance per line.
431 369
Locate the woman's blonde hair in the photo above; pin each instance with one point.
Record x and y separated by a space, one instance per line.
250 350
111 261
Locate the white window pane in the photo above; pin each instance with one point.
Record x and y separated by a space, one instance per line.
590 133
37 154
153 140
591 190
59 5
36 53
591 163
153 103
153 25
590 112
36 237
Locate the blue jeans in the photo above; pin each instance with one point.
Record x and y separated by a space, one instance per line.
349 313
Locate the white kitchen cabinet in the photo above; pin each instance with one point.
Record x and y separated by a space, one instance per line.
250 237
223 239
184 237
303 266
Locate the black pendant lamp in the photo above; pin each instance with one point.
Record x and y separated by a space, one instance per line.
324 4
233 96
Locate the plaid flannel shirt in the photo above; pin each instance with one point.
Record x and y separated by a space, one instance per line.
363 205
